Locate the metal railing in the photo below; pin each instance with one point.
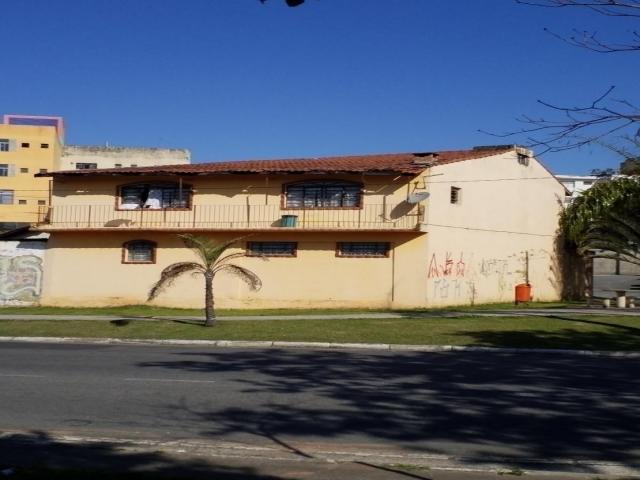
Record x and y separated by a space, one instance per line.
402 216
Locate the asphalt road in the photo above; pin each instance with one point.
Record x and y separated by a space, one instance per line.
477 405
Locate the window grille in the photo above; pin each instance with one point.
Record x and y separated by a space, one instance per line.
363 249
272 249
455 194
323 195
139 251
154 196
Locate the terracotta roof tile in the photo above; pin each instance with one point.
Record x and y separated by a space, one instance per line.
394 163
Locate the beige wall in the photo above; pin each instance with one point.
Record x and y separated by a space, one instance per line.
110 157
477 248
222 189
86 269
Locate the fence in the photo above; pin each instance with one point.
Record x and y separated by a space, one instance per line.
402 216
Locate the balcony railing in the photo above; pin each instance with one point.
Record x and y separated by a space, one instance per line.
402 216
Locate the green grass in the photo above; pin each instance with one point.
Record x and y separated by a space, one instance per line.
152 311
568 331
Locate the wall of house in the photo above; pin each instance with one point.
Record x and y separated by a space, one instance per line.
222 189
112 157
30 193
316 277
477 249
21 271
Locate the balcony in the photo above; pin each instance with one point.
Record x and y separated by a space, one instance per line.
400 217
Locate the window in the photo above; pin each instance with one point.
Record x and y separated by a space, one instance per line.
22 202
139 251
41 202
44 145
86 166
25 144
362 249
134 164
456 193
6 197
323 195
154 196
43 170
4 145
24 170
4 170
118 165
523 159
272 249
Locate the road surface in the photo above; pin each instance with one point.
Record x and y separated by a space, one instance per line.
477 406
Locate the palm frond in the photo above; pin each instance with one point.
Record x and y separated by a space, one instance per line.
246 275
207 250
170 274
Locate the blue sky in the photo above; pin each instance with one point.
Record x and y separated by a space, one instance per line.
236 79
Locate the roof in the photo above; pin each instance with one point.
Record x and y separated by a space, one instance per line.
393 163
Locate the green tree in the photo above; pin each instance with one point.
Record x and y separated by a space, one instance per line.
631 166
213 261
604 221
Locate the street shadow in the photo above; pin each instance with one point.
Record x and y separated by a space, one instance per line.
478 405
614 326
36 455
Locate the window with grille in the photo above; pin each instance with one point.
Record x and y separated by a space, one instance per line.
523 159
363 249
139 251
154 196
323 195
6 197
456 194
86 166
272 249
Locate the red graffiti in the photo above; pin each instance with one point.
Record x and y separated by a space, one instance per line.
446 269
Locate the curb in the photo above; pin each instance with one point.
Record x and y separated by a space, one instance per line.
319 345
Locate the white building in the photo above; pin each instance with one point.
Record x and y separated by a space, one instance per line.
576 184
81 157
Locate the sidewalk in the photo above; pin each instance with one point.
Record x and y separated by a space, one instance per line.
541 312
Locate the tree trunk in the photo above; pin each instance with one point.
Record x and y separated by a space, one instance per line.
210 315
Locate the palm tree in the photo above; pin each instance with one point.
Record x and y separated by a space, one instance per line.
606 219
210 254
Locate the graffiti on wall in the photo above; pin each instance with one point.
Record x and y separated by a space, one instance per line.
20 278
458 276
447 266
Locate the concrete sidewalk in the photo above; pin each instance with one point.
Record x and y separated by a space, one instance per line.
542 312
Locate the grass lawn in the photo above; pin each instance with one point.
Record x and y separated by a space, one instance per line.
566 331
152 311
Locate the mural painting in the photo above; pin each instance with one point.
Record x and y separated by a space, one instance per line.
20 278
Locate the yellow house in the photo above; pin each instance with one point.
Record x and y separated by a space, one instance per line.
28 145
393 231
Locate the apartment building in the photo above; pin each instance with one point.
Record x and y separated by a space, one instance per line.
394 230
28 145
36 144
